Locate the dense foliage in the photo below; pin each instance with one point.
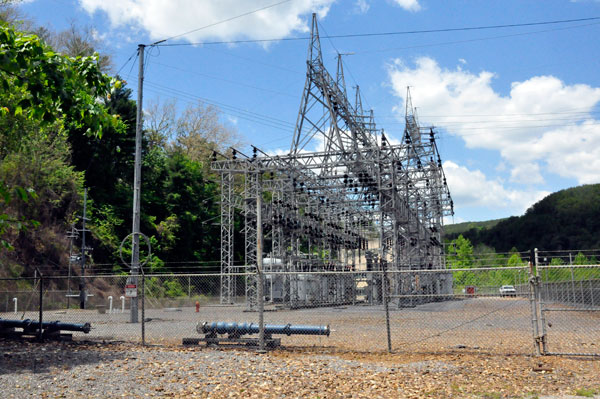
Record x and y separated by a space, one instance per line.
66 125
44 95
459 228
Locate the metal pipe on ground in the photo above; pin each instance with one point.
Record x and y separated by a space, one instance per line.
48 326
239 329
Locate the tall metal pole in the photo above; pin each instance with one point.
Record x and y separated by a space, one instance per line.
71 235
82 292
137 188
540 304
259 268
41 305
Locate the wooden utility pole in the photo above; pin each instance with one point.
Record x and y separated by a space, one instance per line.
137 188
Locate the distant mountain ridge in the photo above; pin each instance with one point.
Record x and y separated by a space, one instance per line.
567 219
458 228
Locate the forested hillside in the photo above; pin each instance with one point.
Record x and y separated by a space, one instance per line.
66 125
567 219
459 228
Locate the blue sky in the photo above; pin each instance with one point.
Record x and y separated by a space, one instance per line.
516 108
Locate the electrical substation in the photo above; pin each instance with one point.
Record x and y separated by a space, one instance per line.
351 222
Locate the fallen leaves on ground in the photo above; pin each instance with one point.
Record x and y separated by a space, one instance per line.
109 370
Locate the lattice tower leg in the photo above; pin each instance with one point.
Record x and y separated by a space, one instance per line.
228 286
251 192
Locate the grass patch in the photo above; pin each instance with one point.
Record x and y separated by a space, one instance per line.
587 392
491 395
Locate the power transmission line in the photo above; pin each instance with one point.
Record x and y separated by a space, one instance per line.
135 53
221 22
379 34
470 40
571 111
225 108
226 80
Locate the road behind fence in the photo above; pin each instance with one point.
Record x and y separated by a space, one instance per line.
427 311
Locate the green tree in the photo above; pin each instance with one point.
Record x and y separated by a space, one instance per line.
557 262
48 87
44 95
460 253
581 259
41 164
460 256
515 261
195 132
180 207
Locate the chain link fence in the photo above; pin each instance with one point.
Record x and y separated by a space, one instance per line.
570 309
19 296
481 309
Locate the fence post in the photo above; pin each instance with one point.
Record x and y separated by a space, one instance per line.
572 285
540 304
143 297
41 310
384 297
533 282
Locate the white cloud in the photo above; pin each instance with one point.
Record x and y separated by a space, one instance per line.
542 125
162 19
97 35
317 144
471 188
410 5
570 151
361 6
527 173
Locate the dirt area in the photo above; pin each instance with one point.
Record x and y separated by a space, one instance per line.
112 370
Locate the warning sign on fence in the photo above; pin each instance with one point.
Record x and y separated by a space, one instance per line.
130 290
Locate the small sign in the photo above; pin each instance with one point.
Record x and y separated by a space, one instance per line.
131 291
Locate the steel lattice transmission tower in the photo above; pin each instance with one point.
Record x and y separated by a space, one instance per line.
357 203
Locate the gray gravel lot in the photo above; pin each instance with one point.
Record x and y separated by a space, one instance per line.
477 347
499 325
96 370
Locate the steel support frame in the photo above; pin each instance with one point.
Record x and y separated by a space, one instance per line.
327 205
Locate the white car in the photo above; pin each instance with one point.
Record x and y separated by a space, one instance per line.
508 290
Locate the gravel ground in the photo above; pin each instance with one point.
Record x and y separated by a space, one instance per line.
502 325
116 370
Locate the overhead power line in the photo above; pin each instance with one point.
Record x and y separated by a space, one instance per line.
221 22
264 120
379 34
479 39
226 80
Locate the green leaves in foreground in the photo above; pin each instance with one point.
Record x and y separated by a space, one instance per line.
49 87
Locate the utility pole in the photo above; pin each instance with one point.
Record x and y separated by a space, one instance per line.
82 292
71 235
137 189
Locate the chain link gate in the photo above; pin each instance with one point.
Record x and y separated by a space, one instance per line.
565 303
